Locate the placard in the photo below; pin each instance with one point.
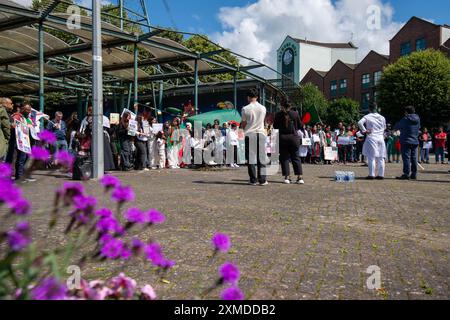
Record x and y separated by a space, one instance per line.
330 154
343 141
133 115
428 145
157 127
306 142
132 128
114 119
34 131
316 138
23 137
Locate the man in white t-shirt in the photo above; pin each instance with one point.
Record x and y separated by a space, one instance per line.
253 117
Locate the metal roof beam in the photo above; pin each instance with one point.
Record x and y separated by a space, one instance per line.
49 9
15 23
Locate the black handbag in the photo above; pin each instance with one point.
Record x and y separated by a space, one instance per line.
82 168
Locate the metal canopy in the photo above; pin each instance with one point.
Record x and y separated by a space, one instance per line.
70 65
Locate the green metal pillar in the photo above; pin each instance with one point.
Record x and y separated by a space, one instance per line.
41 67
129 95
235 90
136 80
161 95
121 14
196 87
115 108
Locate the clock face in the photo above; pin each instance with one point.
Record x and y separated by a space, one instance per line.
287 57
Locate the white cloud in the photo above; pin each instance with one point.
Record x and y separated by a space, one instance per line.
258 29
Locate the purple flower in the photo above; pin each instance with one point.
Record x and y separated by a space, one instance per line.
9 192
137 246
104 213
17 241
134 215
167 264
126 253
49 289
85 204
154 254
221 242
229 273
23 226
123 194
112 249
21 207
110 182
109 224
19 237
123 287
5 171
40 154
47 137
155 217
71 189
147 293
232 293
105 238
65 159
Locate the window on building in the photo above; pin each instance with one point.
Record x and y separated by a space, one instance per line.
421 44
365 102
405 48
333 87
343 86
377 77
365 81
376 94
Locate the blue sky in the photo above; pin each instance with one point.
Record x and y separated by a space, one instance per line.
201 15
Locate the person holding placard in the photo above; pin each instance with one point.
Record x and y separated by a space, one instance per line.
425 145
126 143
373 126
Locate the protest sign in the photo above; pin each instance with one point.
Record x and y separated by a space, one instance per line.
133 115
330 154
23 137
114 118
133 128
306 142
157 127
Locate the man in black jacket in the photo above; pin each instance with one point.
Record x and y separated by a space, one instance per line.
409 127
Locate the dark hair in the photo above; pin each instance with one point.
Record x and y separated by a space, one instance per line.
253 93
373 107
287 106
410 110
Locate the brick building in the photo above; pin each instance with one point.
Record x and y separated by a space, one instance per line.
418 34
339 82
359 81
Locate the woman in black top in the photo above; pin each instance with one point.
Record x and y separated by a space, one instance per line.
288 122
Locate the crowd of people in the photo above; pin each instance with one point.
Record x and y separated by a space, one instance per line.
138 142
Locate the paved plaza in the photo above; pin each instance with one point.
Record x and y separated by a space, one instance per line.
291 242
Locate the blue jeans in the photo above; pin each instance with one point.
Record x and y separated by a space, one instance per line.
440 154
21 160
409 155
61 145
425 156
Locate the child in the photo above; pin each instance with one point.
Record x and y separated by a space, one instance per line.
441 139
233 142
161 149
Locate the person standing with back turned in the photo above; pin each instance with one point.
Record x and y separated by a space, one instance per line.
374 126
409 128
253 116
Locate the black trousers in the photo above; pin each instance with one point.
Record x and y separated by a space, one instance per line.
256 157
142 151
289 147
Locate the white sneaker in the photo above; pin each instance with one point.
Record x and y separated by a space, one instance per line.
300 181
212 163
252 183
264 184
287 181
146 169
236 165
232 165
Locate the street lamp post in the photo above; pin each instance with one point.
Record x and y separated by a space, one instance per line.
97 91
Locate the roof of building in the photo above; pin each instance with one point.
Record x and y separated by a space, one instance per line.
421 20
348 45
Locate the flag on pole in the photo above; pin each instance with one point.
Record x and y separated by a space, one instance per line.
311 116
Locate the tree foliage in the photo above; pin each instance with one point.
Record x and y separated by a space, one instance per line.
308 97
421 80
343 110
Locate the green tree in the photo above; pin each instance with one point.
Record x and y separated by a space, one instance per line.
310 99
343 110
421 80
201 44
